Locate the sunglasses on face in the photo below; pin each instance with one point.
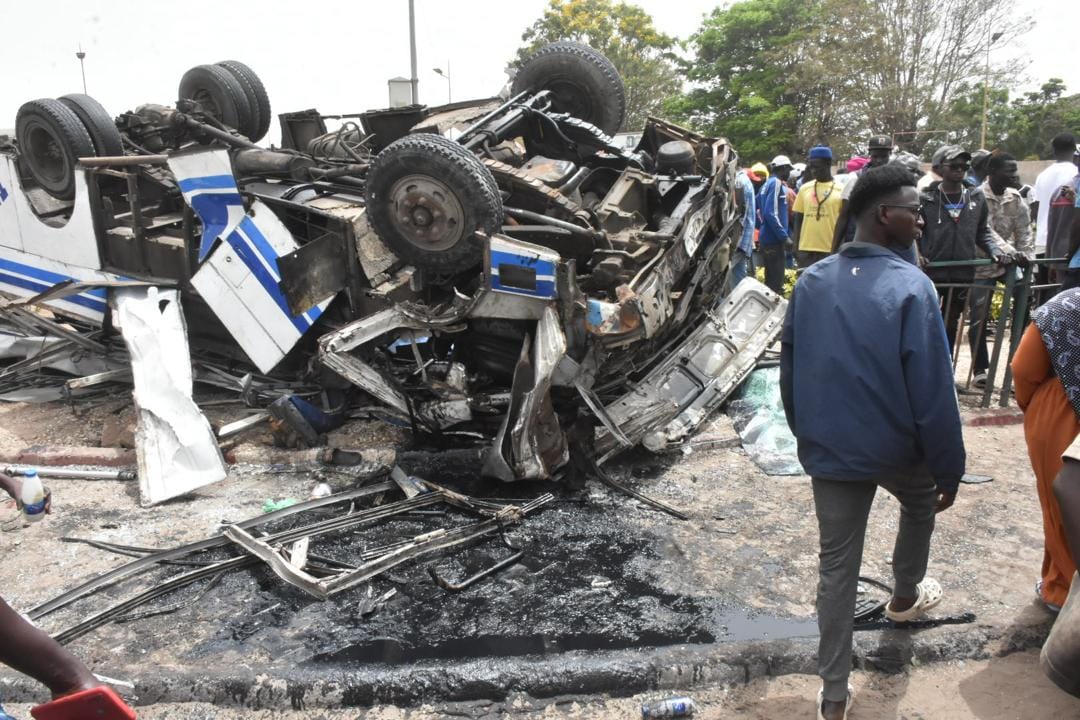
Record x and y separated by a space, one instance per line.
959 166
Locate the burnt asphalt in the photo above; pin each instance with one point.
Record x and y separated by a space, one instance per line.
610 597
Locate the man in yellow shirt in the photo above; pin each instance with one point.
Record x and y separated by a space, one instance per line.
816 209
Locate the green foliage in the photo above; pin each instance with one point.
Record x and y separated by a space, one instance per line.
782 75
1023 127
742 69
626 35
790 277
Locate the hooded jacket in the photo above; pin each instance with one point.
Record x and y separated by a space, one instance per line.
946 239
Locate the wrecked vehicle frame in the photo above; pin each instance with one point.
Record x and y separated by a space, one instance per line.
496 272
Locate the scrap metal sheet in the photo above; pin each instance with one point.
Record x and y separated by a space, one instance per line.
175 445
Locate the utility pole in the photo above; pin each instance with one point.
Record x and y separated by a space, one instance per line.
82 66
412 51
991 39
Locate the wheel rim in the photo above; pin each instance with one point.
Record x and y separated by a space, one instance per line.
426 212
206 100
569 98
48 160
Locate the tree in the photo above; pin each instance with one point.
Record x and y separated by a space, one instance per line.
780 75
918 54
626 35
962 121
739 70
1041 115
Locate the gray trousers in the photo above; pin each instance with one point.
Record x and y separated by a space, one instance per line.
842 511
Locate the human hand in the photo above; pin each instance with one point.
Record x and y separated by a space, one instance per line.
1022 260
944 501
1004 259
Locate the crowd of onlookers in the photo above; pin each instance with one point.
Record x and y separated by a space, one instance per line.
890 257
973 207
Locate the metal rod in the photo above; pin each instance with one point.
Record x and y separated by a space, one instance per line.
459 586
999 334
413 80
123 160
554 222
1016 332
137 566
72 473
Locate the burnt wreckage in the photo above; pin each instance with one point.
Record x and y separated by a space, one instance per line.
496 271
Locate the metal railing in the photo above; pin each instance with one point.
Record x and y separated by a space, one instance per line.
1019 296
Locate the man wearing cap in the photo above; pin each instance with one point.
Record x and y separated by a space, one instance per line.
956 221
774 236
816 209
741 258
880 150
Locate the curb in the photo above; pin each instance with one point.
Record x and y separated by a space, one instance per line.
618 673
60 455
994 417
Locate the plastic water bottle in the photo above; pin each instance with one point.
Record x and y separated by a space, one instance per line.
32 496
671 707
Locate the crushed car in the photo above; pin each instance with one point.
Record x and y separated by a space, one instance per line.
496 271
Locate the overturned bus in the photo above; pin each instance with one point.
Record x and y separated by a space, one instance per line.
496 271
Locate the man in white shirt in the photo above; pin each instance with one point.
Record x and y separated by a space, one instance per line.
1049 180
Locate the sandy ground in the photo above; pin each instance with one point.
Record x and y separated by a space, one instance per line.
747 533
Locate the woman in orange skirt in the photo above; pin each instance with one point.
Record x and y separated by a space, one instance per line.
1046 370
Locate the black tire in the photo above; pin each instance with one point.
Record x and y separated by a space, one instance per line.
582 82
51 140
98 123
220 94
257 97
426 197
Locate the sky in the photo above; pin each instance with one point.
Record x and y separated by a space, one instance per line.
337 56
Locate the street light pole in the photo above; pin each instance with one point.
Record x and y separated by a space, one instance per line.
986 84
82 66
412 54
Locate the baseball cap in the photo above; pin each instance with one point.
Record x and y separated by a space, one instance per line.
880 142
945 153
857 163
822 152
780 161
758 169
798 168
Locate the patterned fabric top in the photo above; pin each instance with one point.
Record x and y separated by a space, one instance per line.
1058 321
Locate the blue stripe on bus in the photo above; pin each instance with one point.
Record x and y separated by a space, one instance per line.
263 246
90 303
48 278
247 254
207 182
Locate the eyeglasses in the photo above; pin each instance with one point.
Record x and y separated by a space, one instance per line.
959 166
913 208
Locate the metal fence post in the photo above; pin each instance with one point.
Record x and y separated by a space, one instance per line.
1016 332
999 333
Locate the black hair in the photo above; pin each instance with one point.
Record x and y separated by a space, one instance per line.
997 161
1063 143
877 183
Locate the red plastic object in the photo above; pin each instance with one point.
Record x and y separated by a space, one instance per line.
99 703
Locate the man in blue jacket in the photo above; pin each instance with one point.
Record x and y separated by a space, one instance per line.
773 239
867 386
741 257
